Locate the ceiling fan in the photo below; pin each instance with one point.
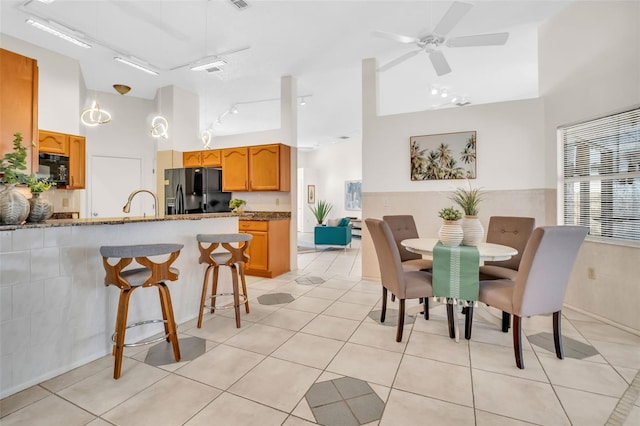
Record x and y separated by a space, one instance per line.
430 42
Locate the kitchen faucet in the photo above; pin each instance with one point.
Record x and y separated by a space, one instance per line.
127 207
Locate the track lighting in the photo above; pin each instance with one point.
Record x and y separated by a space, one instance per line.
303 102
58 33
136 65
234 109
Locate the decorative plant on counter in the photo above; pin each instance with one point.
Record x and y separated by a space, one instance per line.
13 162
37 186
450 214
321 210
468 200
237 204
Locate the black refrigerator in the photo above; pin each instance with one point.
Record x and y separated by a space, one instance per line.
194 190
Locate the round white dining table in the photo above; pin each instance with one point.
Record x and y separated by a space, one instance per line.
488 251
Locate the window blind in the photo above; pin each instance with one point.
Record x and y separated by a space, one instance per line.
601 176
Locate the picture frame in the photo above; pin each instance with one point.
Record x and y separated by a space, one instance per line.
443 156
353 195
311 194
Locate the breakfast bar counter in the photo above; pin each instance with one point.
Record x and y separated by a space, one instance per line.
55 311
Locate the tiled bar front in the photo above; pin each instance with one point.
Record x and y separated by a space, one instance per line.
55 311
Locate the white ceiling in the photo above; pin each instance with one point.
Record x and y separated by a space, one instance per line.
320 42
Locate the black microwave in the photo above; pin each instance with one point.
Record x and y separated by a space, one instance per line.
54 167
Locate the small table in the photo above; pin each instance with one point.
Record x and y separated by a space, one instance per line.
487 251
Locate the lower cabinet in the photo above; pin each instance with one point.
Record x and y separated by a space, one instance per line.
269 250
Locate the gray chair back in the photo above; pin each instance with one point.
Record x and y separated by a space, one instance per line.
403 227
510 231
391 272
546 265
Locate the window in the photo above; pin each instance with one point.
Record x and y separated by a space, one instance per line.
601 177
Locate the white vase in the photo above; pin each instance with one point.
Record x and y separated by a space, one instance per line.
14 206
473 231
451 233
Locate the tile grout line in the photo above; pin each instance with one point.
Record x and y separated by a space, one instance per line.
625 404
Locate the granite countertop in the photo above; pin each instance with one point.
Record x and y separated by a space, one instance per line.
52 223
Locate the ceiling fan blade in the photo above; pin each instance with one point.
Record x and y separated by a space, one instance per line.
439 63
395 37
452 17
398 60
497 39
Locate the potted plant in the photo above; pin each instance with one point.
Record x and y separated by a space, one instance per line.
450 232
14 206
321 210
237 205
40 209
469 201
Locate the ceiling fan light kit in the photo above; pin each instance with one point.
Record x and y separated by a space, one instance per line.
430 43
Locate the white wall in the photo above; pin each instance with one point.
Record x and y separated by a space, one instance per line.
328 168
583 76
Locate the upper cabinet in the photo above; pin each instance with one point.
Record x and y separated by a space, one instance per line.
206 158
257 168
72 146
19 104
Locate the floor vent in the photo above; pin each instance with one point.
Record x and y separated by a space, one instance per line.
240 4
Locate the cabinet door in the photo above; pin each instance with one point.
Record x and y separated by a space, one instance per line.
53 142
258 251
19 104
235 169
76 162
191 159
264 168
211 158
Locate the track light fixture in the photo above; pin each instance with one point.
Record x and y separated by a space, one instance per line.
135 65
445 92
63 32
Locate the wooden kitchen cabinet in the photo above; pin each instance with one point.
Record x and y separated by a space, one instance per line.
269 250
53 142
235 169
206 158
19 104
77 167
257 168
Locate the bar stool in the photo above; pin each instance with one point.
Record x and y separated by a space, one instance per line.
151 274
235 258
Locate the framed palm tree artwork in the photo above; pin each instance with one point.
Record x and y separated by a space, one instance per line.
443 156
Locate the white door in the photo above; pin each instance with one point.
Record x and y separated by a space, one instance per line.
112 180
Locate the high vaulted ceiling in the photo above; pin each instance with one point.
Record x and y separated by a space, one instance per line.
320 42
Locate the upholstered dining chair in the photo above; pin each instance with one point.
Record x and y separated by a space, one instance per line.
512 231
403 284
403 227
540 285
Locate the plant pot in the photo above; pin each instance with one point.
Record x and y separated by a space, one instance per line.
451 233
40 209
473 231
14 206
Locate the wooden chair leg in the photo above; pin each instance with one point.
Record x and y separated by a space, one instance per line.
452 329
557 334
165 297
164 316
468 322
506 319
203 298
236 295
214 288
383 313
517 341
244 286
121 327
425 304
400 321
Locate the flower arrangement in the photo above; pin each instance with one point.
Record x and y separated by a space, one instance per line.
450 213
236 204
468 200
321 210
37 186
13 162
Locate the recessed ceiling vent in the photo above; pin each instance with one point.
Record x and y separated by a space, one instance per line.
463 103
214 69
240 4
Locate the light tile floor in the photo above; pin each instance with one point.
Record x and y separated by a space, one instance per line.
259 374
